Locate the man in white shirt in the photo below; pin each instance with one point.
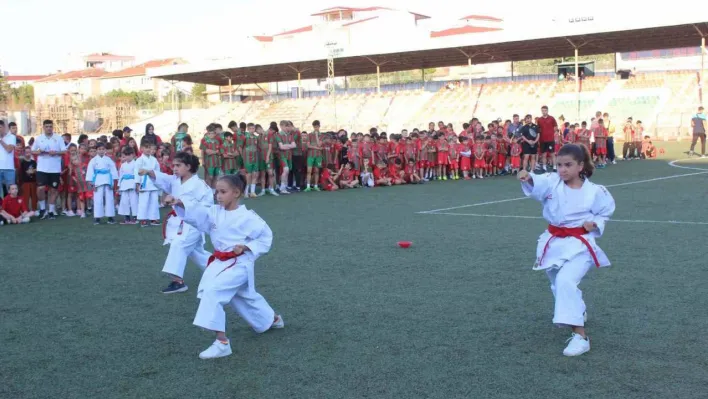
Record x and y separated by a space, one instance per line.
49 149
7 159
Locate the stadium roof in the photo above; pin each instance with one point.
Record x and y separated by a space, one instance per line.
556 39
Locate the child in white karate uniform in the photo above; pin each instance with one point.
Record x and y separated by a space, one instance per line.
102 173
577 211
148 193
128 207
239 237
186 242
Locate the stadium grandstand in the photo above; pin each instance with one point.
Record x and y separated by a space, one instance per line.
345 42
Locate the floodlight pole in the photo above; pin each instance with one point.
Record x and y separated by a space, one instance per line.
330 86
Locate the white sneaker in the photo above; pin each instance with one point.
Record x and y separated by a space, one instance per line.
614 162
262 193
273 193
279 323
577 345
284 191
69 214
217 349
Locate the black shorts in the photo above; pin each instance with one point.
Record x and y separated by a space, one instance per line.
48 179
529 149
547 146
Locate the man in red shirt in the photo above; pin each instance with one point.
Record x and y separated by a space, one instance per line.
548 126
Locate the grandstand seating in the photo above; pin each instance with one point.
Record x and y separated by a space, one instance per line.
663 99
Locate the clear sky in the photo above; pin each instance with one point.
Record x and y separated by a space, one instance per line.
48 31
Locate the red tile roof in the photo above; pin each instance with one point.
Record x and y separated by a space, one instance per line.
264 38
359 21
139 70
108 57
20 78
482 18
354 9
295 31
82 74
462 31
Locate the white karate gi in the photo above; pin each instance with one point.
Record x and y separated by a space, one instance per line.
185 241
566 260
229 281
101 172
126 186
148 204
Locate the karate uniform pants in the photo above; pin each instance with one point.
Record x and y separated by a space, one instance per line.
191 246
569 304
219 288
148 206
103 202
128 203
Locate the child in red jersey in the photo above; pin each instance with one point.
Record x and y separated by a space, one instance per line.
354 156
465 156
411 172
453 157
381 175
491 155
366 152
502 150
348 176
558 138
381 152
14 208
600 133
584 135
328 179
443 158
479 152
422 156
515 157
409 149
432 149
398 175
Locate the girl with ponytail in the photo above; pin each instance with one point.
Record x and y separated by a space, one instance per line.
577 211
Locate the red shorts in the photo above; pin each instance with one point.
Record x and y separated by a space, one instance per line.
86 195
465 163
515 162
601 150
443 158
432 163
501 160
479 163
421 164
328 187
454 164
72 189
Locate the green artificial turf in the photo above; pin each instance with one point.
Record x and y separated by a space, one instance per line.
458 315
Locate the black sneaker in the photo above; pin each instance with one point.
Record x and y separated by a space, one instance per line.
52 215
111 221
42 214
175 287
97 221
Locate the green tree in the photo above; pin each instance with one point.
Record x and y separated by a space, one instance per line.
5 92
25 94
199 91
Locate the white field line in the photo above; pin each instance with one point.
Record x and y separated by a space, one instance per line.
672 164
482 215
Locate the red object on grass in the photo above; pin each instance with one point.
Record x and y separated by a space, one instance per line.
404 244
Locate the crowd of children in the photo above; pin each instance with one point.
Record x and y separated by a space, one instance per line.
100 176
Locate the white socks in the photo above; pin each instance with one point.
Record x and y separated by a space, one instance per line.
42 205
253 188
52 208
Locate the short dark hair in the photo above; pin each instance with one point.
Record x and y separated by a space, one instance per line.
127 150
47 122
100 144
2 122
242 125
188 159
11 124
251 125
316 123
232 124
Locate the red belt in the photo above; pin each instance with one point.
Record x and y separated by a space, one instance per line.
563 232
164 224
223 256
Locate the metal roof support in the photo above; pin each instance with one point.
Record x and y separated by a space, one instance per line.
299 86
703 64
469 67
378 73
577 78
